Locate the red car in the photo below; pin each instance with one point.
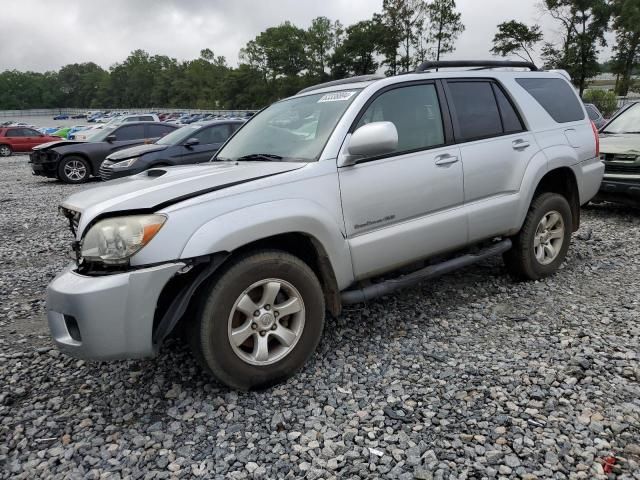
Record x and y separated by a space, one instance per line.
21 139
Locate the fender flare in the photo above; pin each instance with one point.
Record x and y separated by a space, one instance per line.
238 228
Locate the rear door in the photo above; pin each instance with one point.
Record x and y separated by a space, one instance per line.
495 150
404 206
17 140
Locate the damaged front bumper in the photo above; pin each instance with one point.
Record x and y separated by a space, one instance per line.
107 317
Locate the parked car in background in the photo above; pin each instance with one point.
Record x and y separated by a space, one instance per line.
282 226
195 143
62 116
21 139
78 128
620 151
79 115
118 120
62 132
74 161
595 115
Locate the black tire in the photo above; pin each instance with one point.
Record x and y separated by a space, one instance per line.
5 150
209 331
521 260
80 172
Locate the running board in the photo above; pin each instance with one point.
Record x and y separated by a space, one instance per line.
432 271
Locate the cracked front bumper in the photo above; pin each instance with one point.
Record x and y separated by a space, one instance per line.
106 317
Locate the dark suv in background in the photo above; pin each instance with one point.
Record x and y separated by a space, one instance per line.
194 143
75 161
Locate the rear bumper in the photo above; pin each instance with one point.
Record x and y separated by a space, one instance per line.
589 176
108 317
621 190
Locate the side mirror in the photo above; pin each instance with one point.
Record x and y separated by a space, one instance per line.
370 140
111 138
191 142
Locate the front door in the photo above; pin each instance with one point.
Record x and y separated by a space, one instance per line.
404 206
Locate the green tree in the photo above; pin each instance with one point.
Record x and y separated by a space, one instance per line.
319 45
400 25
606 101
626 22
584 25
445 26
357 54
516 38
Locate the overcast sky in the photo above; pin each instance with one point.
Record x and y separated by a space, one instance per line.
44 35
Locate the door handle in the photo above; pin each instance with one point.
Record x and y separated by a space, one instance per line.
520 144
445 159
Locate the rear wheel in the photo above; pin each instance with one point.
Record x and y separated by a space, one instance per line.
259 320
73 170
541 245
5 151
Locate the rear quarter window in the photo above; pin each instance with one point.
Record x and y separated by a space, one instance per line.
556 96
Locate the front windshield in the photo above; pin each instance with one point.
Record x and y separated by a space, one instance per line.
627 122
295 129
179 135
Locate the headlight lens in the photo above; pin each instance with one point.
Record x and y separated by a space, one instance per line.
114 240
125 163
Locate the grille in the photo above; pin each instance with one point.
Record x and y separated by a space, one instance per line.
73 217
104 172
617 168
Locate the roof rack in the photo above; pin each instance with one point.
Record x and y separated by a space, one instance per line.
478 64
359 78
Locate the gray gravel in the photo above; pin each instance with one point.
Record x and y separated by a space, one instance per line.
471 376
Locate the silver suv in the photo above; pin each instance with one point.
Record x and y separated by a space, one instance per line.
316 198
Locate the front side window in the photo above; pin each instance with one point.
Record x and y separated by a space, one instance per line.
295 129
476 111
130 132
627 122
414 110
215 134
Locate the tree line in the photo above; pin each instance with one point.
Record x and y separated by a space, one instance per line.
286 58
278 62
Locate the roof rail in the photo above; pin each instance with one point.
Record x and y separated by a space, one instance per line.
359 78
480 64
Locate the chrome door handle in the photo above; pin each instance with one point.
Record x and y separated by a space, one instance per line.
446 159
520 144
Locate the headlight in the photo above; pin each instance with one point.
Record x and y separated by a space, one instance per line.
114 240
125 163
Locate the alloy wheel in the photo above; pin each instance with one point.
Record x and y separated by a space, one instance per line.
549 237
266 322
75 170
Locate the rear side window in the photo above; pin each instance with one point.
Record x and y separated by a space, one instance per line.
556 96
130 132
476 110
146 118
510 120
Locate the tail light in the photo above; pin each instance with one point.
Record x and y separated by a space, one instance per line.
595 134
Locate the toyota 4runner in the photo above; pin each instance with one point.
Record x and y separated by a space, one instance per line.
315 203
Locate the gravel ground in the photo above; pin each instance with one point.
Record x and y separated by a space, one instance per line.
470 376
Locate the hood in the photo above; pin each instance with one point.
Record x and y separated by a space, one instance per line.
157 188
136 151
620 143
58 143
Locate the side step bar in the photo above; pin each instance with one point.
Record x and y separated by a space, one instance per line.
432 271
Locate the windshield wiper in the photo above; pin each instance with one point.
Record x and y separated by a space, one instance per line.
264 157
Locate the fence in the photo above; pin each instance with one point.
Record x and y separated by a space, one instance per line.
43 112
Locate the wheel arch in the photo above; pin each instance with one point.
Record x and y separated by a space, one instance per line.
562 180
82 155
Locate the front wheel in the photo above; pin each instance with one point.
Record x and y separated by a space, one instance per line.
5 150
73 170
541 245
259 320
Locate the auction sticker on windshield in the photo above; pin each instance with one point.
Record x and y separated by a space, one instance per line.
336 97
